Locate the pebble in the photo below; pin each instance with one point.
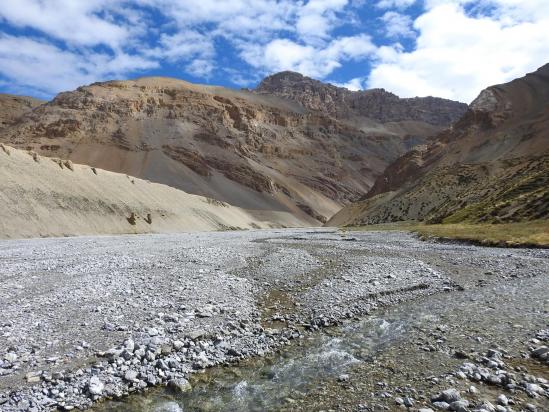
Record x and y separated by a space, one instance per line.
130 375
95 386
502 400
459 406
343 377
180 385
448 395
172 318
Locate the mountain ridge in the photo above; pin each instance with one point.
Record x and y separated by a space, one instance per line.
250 149
492 165
378 104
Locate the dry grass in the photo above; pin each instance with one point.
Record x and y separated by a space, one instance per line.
533 233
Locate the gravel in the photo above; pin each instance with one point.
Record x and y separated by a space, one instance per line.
82 319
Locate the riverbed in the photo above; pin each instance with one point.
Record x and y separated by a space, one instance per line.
259 320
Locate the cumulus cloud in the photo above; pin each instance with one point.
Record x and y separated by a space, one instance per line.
354 84
75 22
398 4
397 24
449 48
47 69
318 17
268 35
464 46
284 54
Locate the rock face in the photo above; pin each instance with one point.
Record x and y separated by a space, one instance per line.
13 107
376 104
491 166
256 150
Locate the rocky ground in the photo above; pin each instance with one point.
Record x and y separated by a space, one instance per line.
83 319
483 348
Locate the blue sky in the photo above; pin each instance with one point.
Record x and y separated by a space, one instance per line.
447 48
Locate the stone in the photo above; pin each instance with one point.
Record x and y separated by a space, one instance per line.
533 388
408 402
343 377
10 357
502 400
95 386
448 395
168 407
441 406
130 375
129 345
33 377
459 406
541 352
180 385
153 332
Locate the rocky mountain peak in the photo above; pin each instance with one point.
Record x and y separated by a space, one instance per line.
283 77
377 104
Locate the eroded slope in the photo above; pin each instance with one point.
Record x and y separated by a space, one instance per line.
252 150
42 196
492 166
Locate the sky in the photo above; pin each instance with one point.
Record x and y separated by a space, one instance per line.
445 48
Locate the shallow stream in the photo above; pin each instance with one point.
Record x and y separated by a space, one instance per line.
274 381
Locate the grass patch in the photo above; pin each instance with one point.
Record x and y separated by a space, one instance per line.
532 233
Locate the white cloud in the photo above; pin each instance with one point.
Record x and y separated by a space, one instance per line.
195 51
252 19
398 4
317 18
200 68
75 22
458 54
268 34
284 54
48 69
354 84
397 24
458 48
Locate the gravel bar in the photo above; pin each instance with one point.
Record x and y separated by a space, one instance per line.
91 318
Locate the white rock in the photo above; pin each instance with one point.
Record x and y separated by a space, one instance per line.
95 386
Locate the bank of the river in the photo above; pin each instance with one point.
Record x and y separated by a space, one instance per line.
533 233
398 358
85 319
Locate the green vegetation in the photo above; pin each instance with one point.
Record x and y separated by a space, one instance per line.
531 233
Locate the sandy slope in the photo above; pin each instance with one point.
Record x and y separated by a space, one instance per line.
40 197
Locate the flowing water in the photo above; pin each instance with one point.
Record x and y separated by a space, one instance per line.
276 381
269 382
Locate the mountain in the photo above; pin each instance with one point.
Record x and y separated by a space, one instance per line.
13 107
252 149
43 196
374 104
492 165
